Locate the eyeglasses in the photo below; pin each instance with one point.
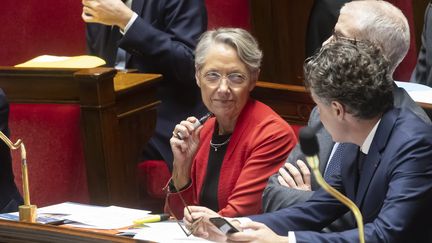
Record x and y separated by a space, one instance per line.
339 36
187 230
214 78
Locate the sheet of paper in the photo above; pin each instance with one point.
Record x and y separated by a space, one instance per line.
165 232
67 208
96 217
412 86
111 217
422 96
49 61
418 92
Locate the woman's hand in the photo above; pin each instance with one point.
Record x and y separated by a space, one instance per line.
196 219
184 150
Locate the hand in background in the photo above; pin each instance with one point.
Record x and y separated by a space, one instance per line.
184 150
255 232
107 12
204 229
295 178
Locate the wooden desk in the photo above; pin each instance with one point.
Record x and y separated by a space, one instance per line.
19 232
293 102
118 116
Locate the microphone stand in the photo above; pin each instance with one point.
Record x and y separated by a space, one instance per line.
313 163
310 147
27 212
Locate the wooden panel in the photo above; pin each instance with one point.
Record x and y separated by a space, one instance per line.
18 232
291 102
117 117
280 27
29 85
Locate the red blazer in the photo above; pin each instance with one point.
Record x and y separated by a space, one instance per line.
258 147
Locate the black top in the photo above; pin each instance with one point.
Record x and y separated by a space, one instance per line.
209 190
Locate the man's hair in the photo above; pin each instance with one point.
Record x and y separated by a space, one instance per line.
353 73
241 40
383 24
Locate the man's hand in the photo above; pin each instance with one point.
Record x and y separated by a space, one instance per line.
292 177
255 232
107 12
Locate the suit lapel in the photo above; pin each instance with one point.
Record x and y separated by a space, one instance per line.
373 158
370 164
137 6
349 170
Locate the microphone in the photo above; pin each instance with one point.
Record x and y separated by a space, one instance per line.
310 147
198 123
27 212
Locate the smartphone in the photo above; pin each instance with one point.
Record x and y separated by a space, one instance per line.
223 225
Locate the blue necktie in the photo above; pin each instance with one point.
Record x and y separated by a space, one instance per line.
333 166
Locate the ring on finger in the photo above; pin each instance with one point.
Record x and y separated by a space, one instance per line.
175 134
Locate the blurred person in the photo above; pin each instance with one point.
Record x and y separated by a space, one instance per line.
322 18
152 36
423 71
225 164
10 197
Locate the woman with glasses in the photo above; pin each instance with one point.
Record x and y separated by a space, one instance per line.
224 164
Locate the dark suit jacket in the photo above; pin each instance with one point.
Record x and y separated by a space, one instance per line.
423 71
394 191
322 19
161 40
276 196
10 198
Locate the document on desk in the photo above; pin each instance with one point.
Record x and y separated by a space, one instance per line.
418 92
49 61
165 232
96 217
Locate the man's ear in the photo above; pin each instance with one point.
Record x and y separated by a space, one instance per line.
338 109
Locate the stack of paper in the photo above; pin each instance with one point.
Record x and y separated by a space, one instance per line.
95 217
48 61
165 232
418 92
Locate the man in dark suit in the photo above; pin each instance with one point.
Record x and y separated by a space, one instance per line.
294 185
153 36
10 197
322 18
387 166
423 71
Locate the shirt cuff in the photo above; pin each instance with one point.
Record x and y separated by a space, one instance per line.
129 24
291 237
242 220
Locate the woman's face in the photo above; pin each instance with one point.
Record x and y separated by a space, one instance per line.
225 82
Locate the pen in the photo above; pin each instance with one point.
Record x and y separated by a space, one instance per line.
151 219
198 123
